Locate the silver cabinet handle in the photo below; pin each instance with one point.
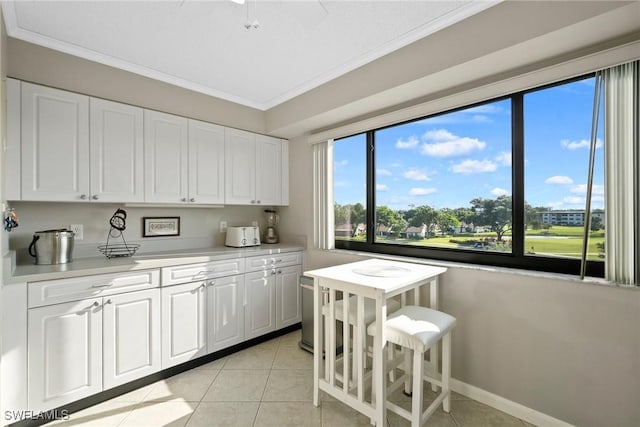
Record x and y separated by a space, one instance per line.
95 197
211 283
192 200
253 201
184 199
258 202
273 272
279 271
83 196
108 301
95 304
104 285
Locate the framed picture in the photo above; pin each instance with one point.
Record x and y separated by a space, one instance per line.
160 226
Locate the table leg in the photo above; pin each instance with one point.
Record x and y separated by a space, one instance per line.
317 340
379 397
435 349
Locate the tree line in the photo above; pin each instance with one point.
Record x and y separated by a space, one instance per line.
494 215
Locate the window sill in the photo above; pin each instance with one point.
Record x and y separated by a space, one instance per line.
477 267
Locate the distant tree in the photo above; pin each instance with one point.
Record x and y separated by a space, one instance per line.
447 220
391 219
423 215
464 216
596 223
340 214
358 214
496 214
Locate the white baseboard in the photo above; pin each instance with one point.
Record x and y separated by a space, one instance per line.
505 405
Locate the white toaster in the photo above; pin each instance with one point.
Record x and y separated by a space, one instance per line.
240 237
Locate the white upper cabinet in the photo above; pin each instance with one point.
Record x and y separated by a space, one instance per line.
240 154
254 169
206 163
67 147
55 144
268 170
166 161
116 152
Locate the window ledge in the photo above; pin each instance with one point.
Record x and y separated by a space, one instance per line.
478 267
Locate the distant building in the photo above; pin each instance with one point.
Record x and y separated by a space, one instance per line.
416 232
350 230
569 217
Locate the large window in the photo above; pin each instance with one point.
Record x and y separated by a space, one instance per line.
499 183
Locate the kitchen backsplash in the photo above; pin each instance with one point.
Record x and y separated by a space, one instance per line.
199 227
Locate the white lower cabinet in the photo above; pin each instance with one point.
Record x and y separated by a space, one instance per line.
88 334
225 312
288 296
65 353
80 348
260 308
131 337
184 320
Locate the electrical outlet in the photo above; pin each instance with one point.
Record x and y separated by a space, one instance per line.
223 226
254 223
78 231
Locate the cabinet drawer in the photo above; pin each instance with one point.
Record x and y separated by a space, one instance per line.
66 290
203 271
277 260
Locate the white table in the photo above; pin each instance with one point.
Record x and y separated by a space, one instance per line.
376 279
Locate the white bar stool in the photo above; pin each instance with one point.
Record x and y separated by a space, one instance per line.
418 329
369 316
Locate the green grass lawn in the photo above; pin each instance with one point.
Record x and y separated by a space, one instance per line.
557 241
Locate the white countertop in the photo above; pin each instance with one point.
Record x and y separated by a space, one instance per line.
99 265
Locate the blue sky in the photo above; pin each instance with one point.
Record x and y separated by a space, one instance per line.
447 160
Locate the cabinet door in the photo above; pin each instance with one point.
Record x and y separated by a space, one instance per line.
268 170
260 308
288 296
116 150
206 162
240 167
183 323
165 153
65 353
55 144
131 336
225 312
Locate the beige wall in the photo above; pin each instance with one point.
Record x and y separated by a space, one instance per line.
569 350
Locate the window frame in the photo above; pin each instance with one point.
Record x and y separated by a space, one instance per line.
517 258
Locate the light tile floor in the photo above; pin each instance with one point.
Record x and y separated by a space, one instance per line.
270 384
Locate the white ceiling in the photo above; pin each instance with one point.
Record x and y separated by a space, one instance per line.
204 46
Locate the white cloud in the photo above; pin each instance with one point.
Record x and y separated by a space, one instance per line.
396 164
411 142
340 163
417 191
474 166
576 145
383 172
382 187
574 200
416 175
582 189
504 158
442 143
500 192
558 179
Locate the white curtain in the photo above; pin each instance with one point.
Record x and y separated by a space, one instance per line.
323 222
622 183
